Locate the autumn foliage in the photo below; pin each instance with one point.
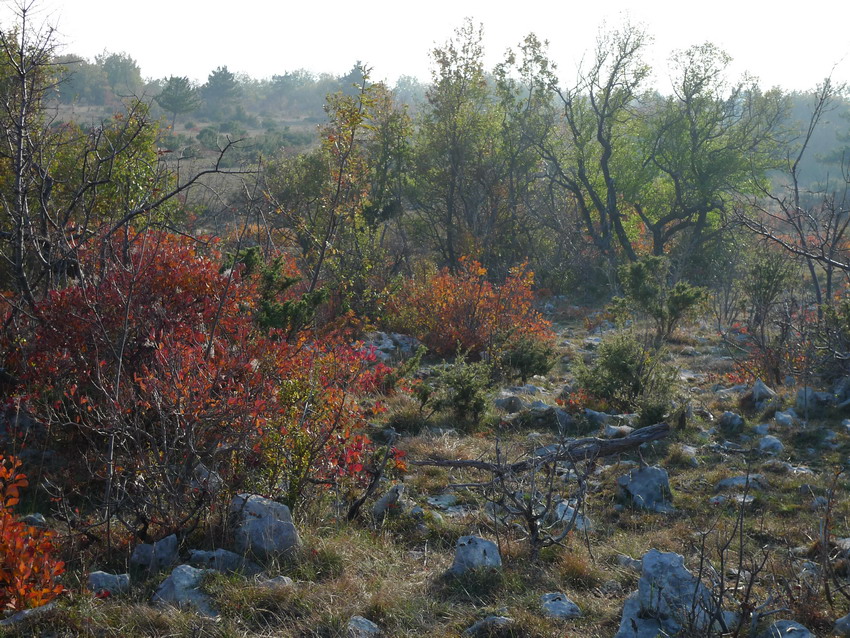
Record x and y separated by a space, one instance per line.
465 311
167 391
29 568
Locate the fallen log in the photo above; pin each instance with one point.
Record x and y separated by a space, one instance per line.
571 451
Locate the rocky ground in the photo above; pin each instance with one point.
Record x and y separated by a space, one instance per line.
732 521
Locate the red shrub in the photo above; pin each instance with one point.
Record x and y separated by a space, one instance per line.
28 566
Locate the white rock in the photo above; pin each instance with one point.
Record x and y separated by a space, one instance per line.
182 589
360 627
264 528
771 445
647 488
473 552
786 629
112 583
222 560
557 605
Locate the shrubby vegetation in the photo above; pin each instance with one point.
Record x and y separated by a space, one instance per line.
192 289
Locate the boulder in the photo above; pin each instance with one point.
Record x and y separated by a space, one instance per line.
842 626
99 582
182 589
157 556
730 423
786 629
473 552
647 488
222 560
263 527
557 605
360 627
786 419
813 405
669 598
510 404
758 397
771 445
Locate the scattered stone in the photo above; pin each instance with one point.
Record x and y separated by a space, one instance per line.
510 404
762 429
564 514
668 596
389 503
786 419
597 418
730 423
786 629
813 404
360 627
264 527
557 605
755 481
35 520
113 584
771 445
182 589
488 625
842 626
205 479
443 501
222 560
758 397
156 556
647 488
388 346
473 552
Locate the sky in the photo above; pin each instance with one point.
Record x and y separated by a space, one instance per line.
793 46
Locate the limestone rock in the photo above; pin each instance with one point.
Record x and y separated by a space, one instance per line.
647 488
668 597
510 404
264 528
813 404
564 514
786 629
182 589
771 445
360 627
730 423
111 583
156 556
473 552
557 605
842 626
389 503
222 560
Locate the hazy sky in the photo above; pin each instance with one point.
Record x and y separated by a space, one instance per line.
794 47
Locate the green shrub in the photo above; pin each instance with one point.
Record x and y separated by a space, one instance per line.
528 356
629 376
647 292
